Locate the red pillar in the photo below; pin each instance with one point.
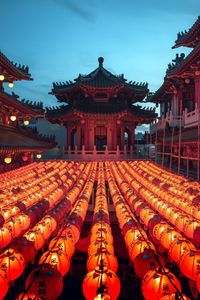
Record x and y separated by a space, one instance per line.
69 130
122 137
114 136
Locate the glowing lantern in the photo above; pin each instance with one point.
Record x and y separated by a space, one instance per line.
168 236
94 279
177 296
2 77
24 221
45 282
133 234
8 159
27 296
63 243
159 228
198 283
93 248
73 231
57 259
146 261
190 264
11 84
14 227
157 283
13 118
36 237
12 263
39 155
26 248
102 297
178 248
3 284
5 237
26 122
139 246
109 260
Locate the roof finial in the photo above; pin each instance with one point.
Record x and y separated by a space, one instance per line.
101 60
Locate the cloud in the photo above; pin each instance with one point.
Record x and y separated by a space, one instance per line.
77 9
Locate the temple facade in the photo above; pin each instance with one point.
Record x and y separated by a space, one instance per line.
176 133
99 111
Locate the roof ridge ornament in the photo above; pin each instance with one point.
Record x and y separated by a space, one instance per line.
100 60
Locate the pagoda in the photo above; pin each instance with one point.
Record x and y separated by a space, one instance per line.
100 110
18 142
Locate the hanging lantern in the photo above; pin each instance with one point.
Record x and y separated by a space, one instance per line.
168 236
158 283
190 264
102 297
5 237
198 283
12 263
63 243
39 155
14 227
57 259
94 279
139 246
93 248
4 284
178 248
36 237
26 122
174 296
146 261
26 248
2 77
7 159
45 282
11 85
28 296
109 260
13 118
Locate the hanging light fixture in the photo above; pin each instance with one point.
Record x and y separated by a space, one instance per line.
26 122
8 159
38 155
11 85
13 118
2 77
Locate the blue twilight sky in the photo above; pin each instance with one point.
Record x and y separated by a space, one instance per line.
58 39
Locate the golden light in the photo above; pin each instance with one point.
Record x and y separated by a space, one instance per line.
13 118
26 122
11 84
2 77
7 159
38 155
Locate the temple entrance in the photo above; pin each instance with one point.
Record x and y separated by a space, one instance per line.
73 138
100 137
127 138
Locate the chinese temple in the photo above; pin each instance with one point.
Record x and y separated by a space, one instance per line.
17 142
113 229
100 110
177 131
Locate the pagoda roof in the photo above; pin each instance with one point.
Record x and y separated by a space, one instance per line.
13 71
27 107
20 140
189 38
100 78
137 111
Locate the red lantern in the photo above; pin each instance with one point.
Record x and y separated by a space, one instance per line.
5 237
14 227
157 283
12 263
190 264
94 279
93 248
103 255
198 283
36 237
57 259
26 248
175 297
168 236
64 243
3 284
27 296
139 246
45 282
178 248
146 261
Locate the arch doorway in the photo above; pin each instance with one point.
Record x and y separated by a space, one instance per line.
127 138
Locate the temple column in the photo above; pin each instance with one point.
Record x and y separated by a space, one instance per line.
5 118
86 133
197 91
114 136
122 137
109 137
69 131
78 137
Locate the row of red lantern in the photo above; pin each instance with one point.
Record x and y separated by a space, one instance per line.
182 221
179 248
61 248
142 251
101 281
187 205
